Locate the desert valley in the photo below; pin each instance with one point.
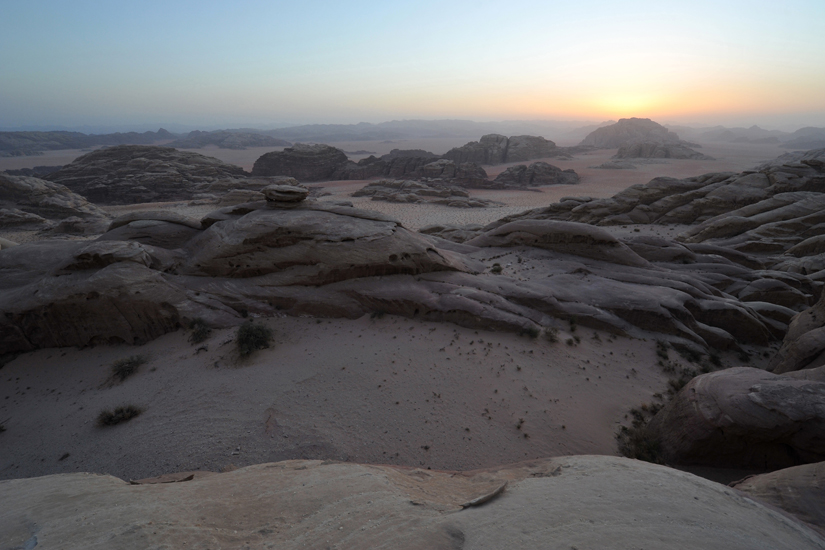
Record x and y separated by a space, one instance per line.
383 337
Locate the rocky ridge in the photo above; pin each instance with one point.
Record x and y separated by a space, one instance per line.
407 191
129 174
642 138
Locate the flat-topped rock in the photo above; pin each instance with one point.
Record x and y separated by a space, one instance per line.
284 193
302 162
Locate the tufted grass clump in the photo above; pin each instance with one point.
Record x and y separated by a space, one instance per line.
551 334
200 330
635 441
252 337
126 367
120 414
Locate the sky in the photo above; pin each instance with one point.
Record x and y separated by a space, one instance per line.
258 63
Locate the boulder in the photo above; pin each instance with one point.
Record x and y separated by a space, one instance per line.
302 162
744 418
129 174
285 193
797 490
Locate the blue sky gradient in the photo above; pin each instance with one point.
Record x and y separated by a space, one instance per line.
256 63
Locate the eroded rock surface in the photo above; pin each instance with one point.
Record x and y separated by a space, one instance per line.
27 202
580 502
302 162
535 175
407 191
745 417
494 149
129 174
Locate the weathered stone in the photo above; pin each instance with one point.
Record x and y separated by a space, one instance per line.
535 175
744 417
302 162
285 193
129 174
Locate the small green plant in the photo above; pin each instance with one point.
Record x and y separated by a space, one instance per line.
573 325
636 441
551 335
252 337
496 269
200 330
124 368
570 342
120 414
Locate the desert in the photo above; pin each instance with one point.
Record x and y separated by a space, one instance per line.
431 276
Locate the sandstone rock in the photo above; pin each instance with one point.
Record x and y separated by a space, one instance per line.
578 501
129 174
285 193
154 215
536 174
454 233
797 490
571 238
225 139
628 130
252 183
744 417
418 192
494 149
240 196
26 201
615 165
658 150
301 161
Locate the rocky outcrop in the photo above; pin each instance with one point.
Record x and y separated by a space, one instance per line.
302 162
131 174
773 211
497 149
797 490
32 143
407 191
744 417
595 502
535 175
658 150
33 203
629 130
804 343
419 168
226 139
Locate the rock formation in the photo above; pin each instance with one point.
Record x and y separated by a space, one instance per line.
629 130
129 174
31 203
535 175
407 191
570 502
797 490
33 143
745 417
642 138
658 150
302 162
497 149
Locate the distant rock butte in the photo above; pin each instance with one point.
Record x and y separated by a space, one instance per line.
642 138
407 191
497 149
535 175
302 162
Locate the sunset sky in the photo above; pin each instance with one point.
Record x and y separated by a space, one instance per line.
264 62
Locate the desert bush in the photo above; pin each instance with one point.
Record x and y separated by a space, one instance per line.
124 368
252 337
496 268
120 414
635 441
532 332
200 330
2 428
551 334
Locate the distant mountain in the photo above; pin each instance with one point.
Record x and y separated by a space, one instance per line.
806 138
754 134
228 139
581 133
32 143
412 129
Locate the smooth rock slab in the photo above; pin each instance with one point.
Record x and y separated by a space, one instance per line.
578 502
